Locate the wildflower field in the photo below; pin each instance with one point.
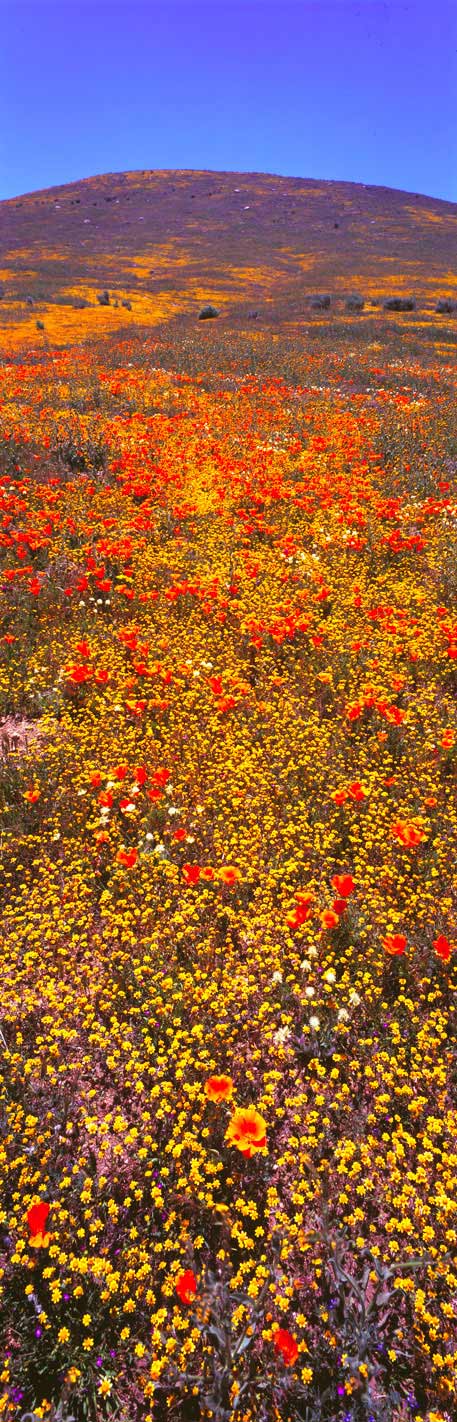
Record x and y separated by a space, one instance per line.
228 689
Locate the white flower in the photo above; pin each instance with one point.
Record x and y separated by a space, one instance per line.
312 952
309 992
314 1023
354 998
277 976
149 835
305 965
342 1015
281 1036
330 976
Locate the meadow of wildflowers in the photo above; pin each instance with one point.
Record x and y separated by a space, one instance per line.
228 613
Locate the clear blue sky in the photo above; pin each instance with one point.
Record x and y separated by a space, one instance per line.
311 88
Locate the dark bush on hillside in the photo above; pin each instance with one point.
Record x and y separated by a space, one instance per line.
79 304
40 325
319 303
445 307
399 303
128 305
103 298
207 312
354 303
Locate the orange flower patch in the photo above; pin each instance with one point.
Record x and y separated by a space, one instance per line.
246 1130
219 1088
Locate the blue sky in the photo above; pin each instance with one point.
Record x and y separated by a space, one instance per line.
311 88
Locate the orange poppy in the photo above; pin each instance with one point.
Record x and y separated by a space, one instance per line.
127 857
246 1130
219 1088
329 919
229 875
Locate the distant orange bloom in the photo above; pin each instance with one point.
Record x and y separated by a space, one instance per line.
186 1286
246 1130
286 1345
127 857
32 795
443 948
407 833
219 1088
229 875
357 791
394 944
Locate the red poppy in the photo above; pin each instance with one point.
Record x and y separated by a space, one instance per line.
344 884
160 776
286 1345
191 873
443 948
339 906
394 944
356 791
186 1286
36 1220
78 673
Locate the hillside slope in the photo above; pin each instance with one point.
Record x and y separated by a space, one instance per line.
165 242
